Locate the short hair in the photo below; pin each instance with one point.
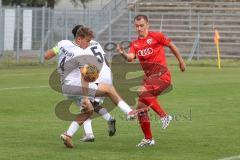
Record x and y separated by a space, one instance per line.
84 32
75 28
141 16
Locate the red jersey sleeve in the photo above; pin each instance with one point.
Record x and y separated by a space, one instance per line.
161 38
132 49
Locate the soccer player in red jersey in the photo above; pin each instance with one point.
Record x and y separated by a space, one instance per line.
149 49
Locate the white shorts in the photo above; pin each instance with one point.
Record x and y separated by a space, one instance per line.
75 92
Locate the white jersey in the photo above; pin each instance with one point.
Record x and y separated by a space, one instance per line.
72 57
68 62
105 75
68 50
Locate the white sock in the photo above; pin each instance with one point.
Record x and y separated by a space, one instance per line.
105 114
87 125
124 107
107 117
72 128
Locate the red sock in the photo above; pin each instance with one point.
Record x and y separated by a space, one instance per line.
144 122
153 102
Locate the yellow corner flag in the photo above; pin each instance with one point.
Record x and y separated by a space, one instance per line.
216 41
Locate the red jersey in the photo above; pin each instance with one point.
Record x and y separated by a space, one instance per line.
150 52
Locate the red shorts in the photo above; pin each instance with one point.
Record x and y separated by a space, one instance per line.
157 84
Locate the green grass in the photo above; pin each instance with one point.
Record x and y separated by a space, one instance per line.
204 102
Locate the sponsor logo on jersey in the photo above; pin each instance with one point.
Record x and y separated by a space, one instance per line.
145 52
135 45
149 41
66 53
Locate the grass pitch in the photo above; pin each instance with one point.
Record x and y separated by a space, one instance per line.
204 102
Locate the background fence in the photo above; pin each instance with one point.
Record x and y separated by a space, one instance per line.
25 33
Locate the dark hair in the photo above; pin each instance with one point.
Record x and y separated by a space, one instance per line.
141 16
74 30
84 32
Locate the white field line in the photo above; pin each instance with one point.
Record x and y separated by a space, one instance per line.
19 88
23 74
36 87
231 158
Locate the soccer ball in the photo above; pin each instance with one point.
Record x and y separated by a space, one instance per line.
90 73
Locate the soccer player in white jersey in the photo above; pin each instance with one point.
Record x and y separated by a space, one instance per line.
72 59
105 77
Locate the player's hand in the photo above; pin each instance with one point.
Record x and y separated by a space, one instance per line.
85 102
120 48
182 66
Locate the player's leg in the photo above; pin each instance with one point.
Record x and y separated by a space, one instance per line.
103 112
151 88
98 108
144 122
87 126
110 120
74 126
154 104
149 93
107 79
108 90
89 136
101 90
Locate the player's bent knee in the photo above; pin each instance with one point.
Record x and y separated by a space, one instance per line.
143 113
143 117
89 109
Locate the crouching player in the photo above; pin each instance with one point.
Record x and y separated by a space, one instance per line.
72 68
105 77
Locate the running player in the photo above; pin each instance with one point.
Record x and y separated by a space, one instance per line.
149 49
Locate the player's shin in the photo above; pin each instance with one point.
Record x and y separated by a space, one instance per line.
78 121
88 137
144 122
74 126
105 114
153 103
87 125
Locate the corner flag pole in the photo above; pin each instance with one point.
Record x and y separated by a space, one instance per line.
216 40
218 53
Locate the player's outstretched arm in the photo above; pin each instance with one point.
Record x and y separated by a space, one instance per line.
177 54
49 54
127 56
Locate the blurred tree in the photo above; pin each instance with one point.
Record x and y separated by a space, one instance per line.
30 3
6 2
40 3
80 2
51 3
